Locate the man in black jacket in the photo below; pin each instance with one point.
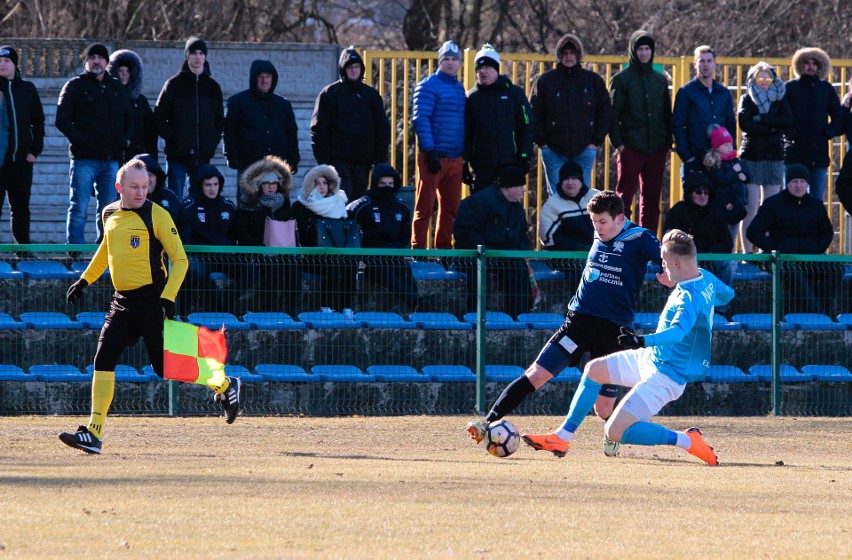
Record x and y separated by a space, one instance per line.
26 140
498 123
190 116
260 122
94 113
349 128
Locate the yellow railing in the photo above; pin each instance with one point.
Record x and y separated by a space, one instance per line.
396 73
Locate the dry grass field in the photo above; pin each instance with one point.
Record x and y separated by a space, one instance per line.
416 487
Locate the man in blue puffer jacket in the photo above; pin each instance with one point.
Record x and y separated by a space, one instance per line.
439 102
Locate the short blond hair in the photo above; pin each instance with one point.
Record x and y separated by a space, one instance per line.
132 164
704 49
679 243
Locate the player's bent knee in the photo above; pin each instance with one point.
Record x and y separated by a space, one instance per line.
537 375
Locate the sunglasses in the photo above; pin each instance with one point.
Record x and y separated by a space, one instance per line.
701 192
763 80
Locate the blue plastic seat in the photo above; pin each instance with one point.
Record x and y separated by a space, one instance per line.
58 373
813 322
43 320
92 319
845 319
383 320
496 321
503 374
243 373
645 320
758 322
439 321
542 321
272 321
847 273
215 321
568 375
729 374
124 374
14 373
450 374
788 373
828 372
720 323
542 271
9 273
285 373
429 270
9 323
47 270
342 373
748 271
398 373
328 320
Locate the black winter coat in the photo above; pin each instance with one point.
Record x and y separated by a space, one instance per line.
813 102
791 225
488 218
207 221
385 220
498 125
706 224
26 118
763 135
95 116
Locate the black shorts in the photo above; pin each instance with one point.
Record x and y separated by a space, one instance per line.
131 317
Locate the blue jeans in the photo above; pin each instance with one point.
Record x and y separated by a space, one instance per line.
818 182
177 174
553 162
86 174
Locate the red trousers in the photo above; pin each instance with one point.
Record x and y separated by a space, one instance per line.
650 169
446 185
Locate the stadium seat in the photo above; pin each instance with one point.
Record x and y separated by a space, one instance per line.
846 319
429 270
647 321
542 271
568 375
273 321
383 320
328 320
342 373
47 270
42 320
9 273
542 321
729 374
9 323
397 374
496 321
503 374
243 373
215 321
452 374
758 322
124 374
285 373
14 373
58 373
847 273
748 271
828 372
788 373
149 372
813 322
439 321
92 319
80 266
720 323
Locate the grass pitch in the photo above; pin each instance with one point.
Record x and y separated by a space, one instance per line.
416 487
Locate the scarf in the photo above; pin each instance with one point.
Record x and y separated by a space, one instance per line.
272 201
763 99
333 206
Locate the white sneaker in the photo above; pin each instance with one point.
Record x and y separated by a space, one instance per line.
610 448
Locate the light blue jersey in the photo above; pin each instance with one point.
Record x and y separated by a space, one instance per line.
681 345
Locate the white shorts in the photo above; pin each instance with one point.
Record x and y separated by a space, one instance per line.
651 390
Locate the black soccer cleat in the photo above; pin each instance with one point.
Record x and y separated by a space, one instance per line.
82 439
230 399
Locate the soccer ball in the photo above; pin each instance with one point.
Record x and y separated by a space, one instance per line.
502 438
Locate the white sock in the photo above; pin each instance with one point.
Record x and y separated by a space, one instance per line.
564 434
683 440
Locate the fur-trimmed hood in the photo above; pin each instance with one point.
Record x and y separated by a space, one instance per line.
570 40
130 59
327 171
250 178
822 58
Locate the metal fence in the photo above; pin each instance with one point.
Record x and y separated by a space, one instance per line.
332 331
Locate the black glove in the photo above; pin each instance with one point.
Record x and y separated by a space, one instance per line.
467 176
75 291
168 308
433 161
629 339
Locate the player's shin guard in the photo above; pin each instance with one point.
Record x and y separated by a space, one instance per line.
511 397
103 388
582 403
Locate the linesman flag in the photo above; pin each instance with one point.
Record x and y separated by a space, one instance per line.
193 354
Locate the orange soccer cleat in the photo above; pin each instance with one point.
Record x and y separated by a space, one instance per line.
477 430
547 442
700 449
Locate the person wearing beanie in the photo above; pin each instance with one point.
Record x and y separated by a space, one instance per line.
94 113
439 122
25 141
699 103
795 222
817 116
190 116
495 217
385 222
642 130
157 191
260 123
498 125
565 224
127 67
572 112
350 130
728 177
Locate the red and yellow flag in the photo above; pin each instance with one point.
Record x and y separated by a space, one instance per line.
193 354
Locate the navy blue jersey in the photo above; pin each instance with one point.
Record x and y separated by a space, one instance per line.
614 274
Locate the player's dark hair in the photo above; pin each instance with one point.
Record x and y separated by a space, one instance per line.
606 201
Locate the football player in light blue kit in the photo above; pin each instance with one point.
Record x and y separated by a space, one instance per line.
657 366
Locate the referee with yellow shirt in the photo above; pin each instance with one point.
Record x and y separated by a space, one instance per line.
138 234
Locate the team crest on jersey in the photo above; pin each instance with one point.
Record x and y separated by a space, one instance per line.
398 217
618 246
225 215
135 241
